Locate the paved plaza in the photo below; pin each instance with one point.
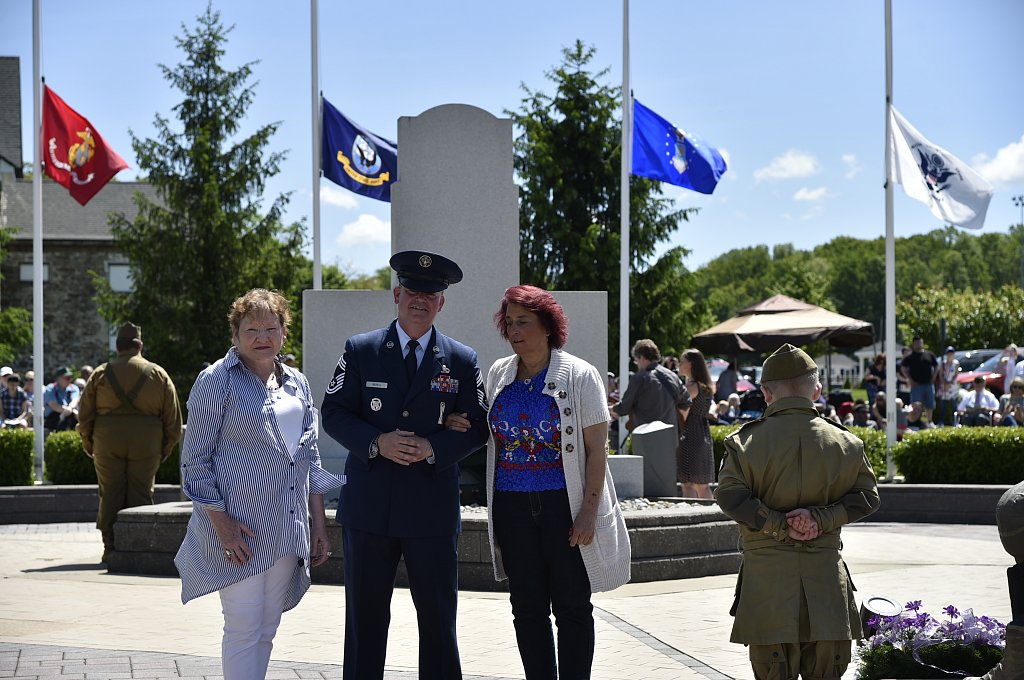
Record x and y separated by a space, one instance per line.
63 616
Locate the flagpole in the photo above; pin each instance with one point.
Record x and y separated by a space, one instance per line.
890 260
37 242
314 39
627 139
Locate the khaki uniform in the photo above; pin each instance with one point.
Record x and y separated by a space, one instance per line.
793 594
128 441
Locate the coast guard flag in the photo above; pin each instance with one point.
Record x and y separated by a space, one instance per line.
355 158
949 187
664 152
74 154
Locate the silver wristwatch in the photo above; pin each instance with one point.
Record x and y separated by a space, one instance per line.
374 448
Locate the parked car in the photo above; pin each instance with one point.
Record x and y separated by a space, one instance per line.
990 370
716 366
970 359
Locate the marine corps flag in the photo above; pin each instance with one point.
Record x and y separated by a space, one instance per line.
355 158
74 155
949 187
664 152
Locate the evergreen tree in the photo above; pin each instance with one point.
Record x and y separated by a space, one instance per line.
567 159
207 239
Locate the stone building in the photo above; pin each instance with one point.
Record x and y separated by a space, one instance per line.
77 244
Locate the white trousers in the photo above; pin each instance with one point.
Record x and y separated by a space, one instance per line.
252 611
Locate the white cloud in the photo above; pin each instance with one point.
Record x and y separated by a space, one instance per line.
730 173
1006 168
813 212
805 194
852 166
791 164
366 230
334 195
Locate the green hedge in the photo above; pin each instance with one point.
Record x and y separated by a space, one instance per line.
170 469
874 445
962 455
66 462
718 435
16 457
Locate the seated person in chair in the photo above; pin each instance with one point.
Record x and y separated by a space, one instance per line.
978 407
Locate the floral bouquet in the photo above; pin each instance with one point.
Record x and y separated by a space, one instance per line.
914 644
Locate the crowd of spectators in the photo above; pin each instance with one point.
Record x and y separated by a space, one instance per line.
60 398
928 394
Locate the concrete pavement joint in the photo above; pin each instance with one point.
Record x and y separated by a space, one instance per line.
657 645
27 660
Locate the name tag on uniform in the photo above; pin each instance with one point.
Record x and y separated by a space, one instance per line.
444 383
381 385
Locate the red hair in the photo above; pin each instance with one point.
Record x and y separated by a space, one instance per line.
541 303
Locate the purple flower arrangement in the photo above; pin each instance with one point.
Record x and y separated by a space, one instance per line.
916 644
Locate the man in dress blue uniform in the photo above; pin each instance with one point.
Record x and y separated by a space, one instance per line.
386 404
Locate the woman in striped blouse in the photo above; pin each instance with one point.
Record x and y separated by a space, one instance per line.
251 466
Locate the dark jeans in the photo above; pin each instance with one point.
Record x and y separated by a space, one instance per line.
945 410
545 575
975 420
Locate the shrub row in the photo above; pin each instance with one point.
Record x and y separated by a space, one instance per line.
954 444
65 461
17 466
962 455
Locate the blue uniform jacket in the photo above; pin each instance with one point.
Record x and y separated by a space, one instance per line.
370 395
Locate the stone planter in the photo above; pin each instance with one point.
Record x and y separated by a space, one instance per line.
687 541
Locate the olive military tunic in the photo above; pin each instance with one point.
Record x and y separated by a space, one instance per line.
789 459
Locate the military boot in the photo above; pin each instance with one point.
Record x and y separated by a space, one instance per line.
108 544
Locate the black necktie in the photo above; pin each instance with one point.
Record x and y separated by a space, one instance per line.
410 360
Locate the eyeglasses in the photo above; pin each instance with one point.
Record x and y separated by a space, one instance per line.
255 333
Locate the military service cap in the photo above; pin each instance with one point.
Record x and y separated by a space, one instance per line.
129 332
787 362
425 272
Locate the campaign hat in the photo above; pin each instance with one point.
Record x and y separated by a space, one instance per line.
425 272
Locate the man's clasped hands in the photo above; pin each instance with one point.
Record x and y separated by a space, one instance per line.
802 526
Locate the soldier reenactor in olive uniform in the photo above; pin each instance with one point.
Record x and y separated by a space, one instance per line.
791 480
1010 519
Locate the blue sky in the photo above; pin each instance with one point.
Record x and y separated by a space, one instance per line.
792 93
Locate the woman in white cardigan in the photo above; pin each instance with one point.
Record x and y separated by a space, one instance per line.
556 529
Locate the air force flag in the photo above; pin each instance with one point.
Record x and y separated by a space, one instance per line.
664 152
355 158
949 187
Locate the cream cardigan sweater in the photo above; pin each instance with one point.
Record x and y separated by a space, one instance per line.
579 391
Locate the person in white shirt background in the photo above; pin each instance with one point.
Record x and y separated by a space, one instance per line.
977 407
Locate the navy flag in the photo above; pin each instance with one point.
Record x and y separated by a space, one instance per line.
664 152
355 158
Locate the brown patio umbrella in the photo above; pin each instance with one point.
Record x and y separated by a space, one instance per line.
767 325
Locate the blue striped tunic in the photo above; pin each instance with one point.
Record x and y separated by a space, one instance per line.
234 459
